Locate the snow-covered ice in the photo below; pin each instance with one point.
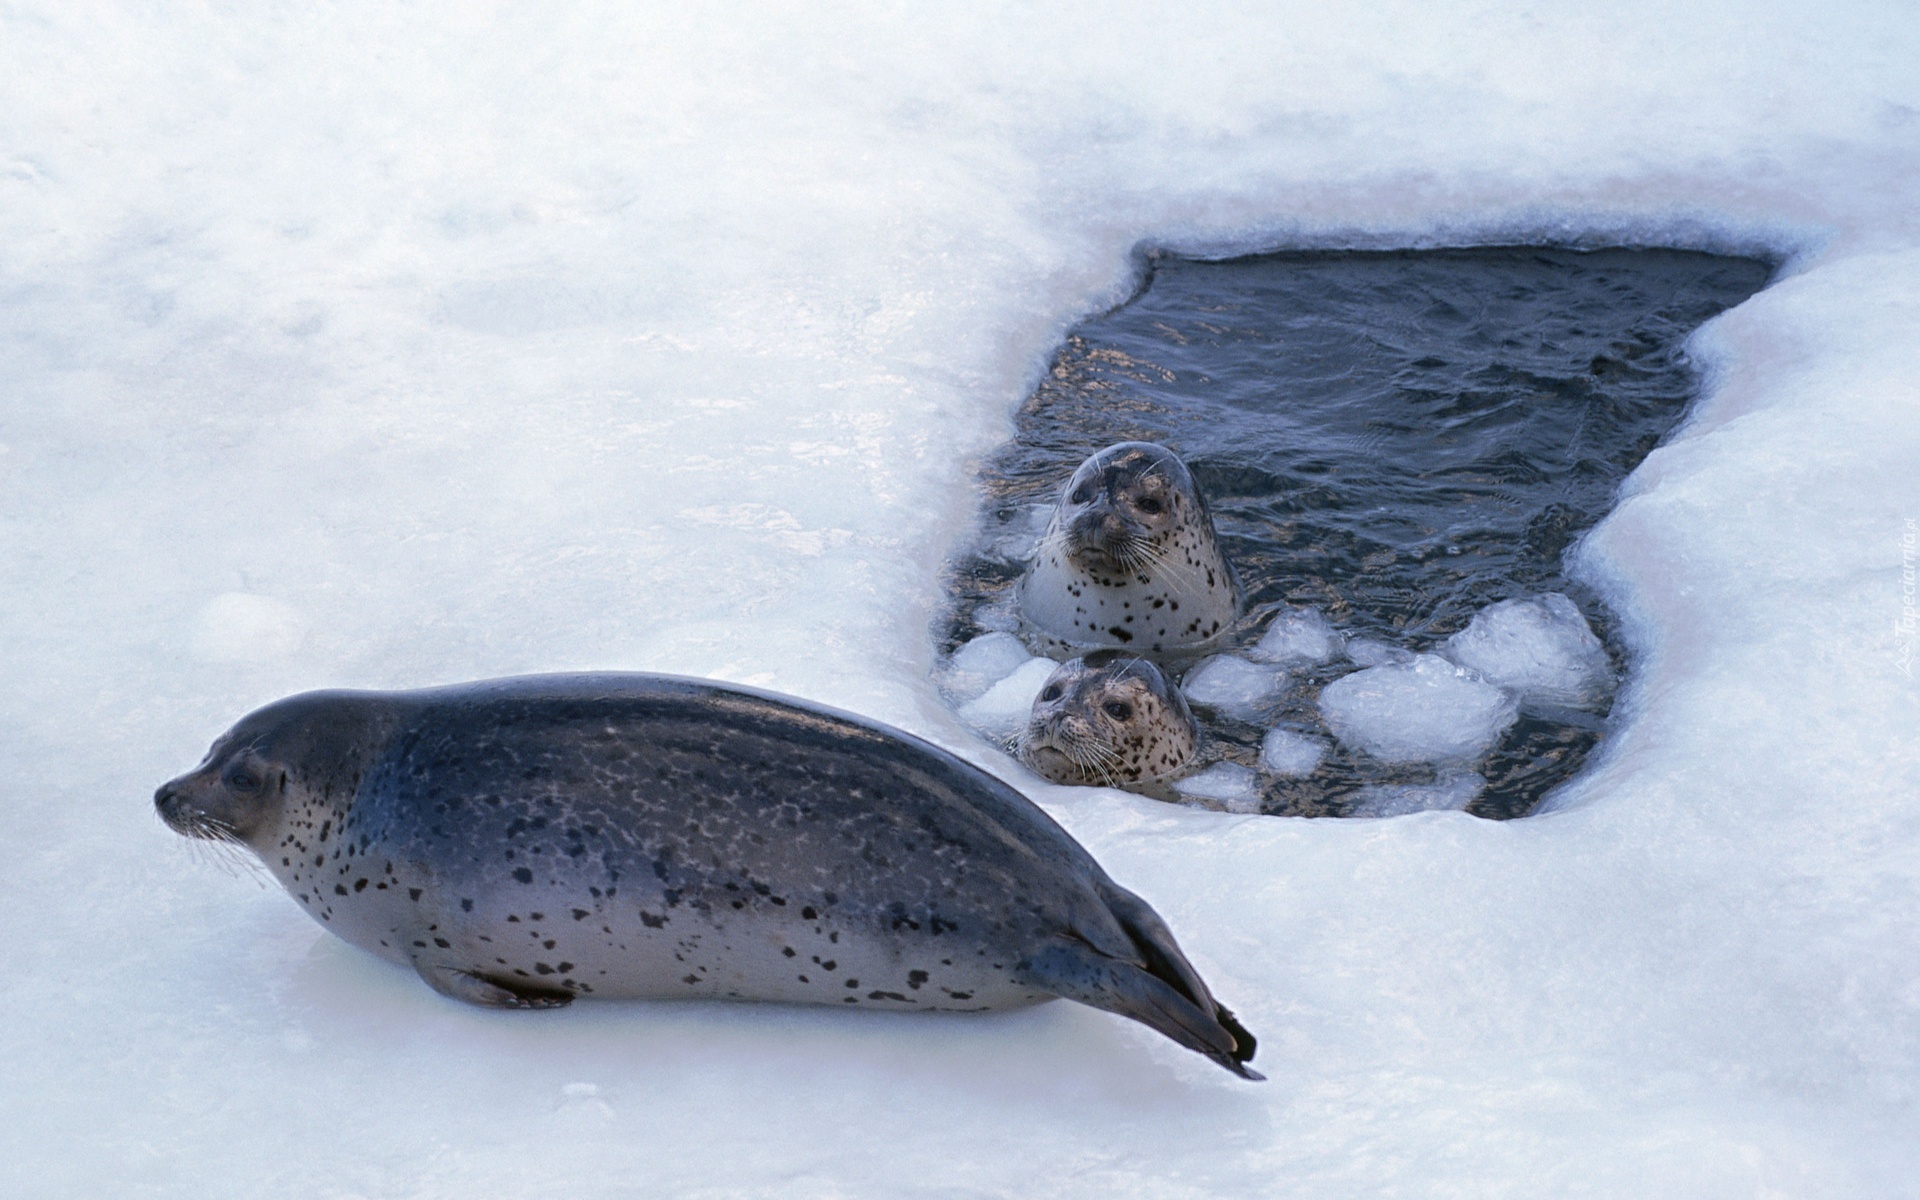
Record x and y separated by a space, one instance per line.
1298 636
238 627
1291 754
1427 710
1450 792
495 338
1538 647
1230 785
1233 686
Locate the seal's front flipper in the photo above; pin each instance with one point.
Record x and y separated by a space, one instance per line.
488 993
1075 970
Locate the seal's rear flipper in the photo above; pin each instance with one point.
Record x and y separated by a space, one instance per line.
488 993
1154 941
1073 969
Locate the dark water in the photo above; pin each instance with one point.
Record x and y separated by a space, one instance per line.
1399 439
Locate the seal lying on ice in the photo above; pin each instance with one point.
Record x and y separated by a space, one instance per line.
524 842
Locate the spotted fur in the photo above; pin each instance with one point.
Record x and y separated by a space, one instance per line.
526 842
1130 560
1110 719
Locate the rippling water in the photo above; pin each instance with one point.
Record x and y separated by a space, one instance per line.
1397 438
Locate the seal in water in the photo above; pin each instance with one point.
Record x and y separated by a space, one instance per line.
523 842
1110 719
1130 560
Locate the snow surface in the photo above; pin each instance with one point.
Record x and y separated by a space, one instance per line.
1538 647
482 339
1427 710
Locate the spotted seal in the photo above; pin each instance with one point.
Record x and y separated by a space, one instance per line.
526 842
1110 719
1130 560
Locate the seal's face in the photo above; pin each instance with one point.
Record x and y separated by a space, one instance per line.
228 797
1123 504
281 755
1108 719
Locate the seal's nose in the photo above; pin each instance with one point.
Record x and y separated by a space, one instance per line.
163 799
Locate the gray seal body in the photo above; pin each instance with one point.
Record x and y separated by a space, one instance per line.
525 842
1130 560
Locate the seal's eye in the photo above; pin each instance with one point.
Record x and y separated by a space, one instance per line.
1050 692
240 779
1117 710
1081 495
1148 505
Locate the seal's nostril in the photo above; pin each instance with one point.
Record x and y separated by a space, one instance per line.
164 794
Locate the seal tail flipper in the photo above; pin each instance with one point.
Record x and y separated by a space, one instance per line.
1155 942
1074 969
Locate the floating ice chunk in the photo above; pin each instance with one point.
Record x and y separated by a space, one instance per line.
1230 785
999 617
1003 709
1448 793
1426 710
1369 653
1298 636
983 662
1539 647
992 655
1233 686
1014 541
1294 755
243 627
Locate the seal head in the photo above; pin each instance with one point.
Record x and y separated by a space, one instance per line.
278 763
526 842
1109 719
1130 560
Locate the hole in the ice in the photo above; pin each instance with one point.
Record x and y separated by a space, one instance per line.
1392 443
